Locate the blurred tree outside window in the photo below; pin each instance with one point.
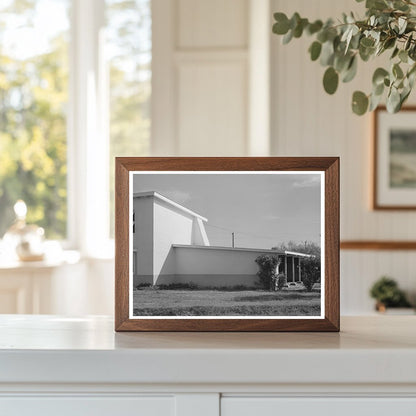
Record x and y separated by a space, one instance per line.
33 102
34 93
129 51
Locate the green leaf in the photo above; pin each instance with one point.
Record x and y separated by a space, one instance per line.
379 75
408 42
330 80
378 89
395 52
397 71
389 43
288 37
327 53
393 101
351 71
403 56
376 4
314 27
281 27
315 50
298 30
374 101
367 42
359 103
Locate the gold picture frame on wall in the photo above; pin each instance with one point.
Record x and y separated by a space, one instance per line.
160 202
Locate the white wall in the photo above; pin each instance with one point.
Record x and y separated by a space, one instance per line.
206 67
143 237
200 77
216 267
308 122
171 226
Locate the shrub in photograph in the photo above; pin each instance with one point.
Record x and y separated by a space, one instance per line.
311 271
267 273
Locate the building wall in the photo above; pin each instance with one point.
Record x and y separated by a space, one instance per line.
171 226
216 266
143 237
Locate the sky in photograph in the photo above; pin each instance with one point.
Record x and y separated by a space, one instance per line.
263 210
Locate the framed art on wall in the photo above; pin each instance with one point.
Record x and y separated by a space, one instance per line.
394 178
227 244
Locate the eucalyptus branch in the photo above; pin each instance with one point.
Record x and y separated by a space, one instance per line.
388 25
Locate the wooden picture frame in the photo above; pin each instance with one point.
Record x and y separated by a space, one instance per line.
130 168
394 184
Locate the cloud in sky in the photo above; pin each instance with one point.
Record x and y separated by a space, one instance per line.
308 182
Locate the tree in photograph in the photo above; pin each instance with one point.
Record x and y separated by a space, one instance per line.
306 247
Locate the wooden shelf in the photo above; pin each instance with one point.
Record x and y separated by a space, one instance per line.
377 245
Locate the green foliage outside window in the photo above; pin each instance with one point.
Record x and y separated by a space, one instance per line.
33 100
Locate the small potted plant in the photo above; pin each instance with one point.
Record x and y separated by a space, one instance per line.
387 294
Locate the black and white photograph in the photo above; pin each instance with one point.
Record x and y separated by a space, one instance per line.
226 244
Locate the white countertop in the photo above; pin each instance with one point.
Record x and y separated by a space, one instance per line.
50 349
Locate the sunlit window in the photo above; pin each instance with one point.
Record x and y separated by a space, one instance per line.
33 103
129 44
40 75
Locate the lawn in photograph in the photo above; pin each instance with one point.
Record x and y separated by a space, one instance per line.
226 244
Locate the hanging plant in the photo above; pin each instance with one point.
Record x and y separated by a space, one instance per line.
389 27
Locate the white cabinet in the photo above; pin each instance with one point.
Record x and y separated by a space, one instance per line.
52 365
87 406
271 406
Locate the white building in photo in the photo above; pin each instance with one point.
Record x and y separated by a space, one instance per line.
170 245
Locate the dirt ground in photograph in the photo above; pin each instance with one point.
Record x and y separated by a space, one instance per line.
158 302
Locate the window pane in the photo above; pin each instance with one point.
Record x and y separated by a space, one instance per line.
129 51
33 100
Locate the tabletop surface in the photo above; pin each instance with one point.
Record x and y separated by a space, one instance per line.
47 332
54 349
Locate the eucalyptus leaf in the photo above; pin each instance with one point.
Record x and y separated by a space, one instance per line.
408 42
393 101
397 71
315 50
281 27
330 80
378 89
374 102
288 37
403 56
327 54
314 27
359 103
350 73
379 75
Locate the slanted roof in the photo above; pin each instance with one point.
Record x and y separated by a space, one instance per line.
168 201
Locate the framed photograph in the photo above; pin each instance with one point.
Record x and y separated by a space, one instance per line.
394 179
227 244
